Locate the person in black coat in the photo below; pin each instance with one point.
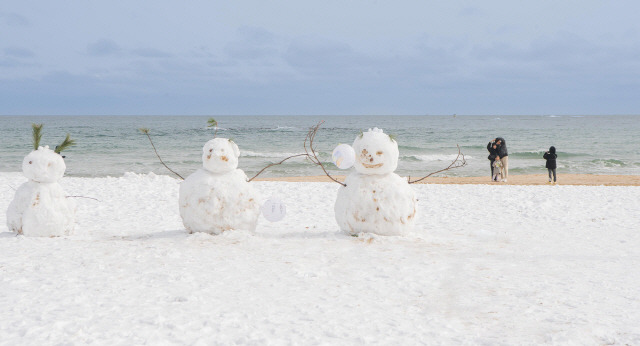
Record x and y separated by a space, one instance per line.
504 157
551 165
492 147
499 145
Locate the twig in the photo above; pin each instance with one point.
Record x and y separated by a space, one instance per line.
275 164
95 199
454 164
213 123
146 132
311 135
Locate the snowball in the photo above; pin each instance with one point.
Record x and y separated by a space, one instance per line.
380 204
220 155
343 156
376 153
43 165
273 209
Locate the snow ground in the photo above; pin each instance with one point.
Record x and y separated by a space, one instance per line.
487 264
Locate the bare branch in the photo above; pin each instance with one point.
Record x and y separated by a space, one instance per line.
455 164
95 199
311 152
146 132
275 164
212 123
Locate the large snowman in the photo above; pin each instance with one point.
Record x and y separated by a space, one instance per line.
217 197
375 199
40 207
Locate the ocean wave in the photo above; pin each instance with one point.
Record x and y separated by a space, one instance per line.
610 162
433 157
537 154
249 153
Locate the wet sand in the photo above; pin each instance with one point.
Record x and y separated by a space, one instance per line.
525 179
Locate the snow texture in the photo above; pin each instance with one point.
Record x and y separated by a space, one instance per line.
375 200
40 206
555 266
217 197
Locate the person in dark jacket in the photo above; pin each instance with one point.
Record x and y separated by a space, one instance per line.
504 157
492 147
501 153
551 157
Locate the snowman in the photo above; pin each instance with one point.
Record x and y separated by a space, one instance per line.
218 197
374 199
40 207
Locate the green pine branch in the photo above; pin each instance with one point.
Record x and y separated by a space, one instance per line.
65 144
37 135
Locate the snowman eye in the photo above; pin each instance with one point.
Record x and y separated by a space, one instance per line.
379 153
210 150
30 162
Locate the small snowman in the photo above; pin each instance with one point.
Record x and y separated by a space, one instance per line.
374 199
218 196
40 207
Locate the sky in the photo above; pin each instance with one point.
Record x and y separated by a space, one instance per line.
264 57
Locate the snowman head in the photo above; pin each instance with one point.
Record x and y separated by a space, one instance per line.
43 165
376 152
220 155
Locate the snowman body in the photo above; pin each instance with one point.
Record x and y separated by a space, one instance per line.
40 207
217 197
375 200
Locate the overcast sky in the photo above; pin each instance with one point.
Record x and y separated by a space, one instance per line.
319 57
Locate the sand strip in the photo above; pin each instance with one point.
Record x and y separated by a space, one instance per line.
525 179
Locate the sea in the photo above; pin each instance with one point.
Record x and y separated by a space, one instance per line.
114 145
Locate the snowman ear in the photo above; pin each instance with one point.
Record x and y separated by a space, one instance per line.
235 148
65 144
37 135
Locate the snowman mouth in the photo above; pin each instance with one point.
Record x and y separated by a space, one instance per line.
367 165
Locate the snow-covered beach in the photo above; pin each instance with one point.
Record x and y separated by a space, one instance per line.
486 264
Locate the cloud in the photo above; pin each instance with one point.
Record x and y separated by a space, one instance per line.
150 53
315 56
18 52
253 43
13 19
103 47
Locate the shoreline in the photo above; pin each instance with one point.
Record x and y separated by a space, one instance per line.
521 179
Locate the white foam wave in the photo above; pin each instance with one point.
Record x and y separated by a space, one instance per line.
436 157
249 153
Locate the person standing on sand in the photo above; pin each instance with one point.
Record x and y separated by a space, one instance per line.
504 157
498 148
551 157
492 147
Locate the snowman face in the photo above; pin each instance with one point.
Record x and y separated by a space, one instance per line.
43 165
376 153
220 155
